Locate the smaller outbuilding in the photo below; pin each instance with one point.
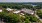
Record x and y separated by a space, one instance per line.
9 9
0 10
18 11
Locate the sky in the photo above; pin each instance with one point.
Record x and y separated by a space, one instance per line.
20 0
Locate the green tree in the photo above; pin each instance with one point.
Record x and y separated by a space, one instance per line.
27 21
39 13
33 19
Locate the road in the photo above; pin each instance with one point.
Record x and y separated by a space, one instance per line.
38 17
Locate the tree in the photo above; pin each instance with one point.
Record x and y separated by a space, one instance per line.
4 6
39 13
27 21
33 19
38 6
28 6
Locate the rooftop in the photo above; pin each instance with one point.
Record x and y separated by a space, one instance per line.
28 11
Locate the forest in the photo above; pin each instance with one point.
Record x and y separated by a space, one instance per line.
9 17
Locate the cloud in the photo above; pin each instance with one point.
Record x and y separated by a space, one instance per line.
20 0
